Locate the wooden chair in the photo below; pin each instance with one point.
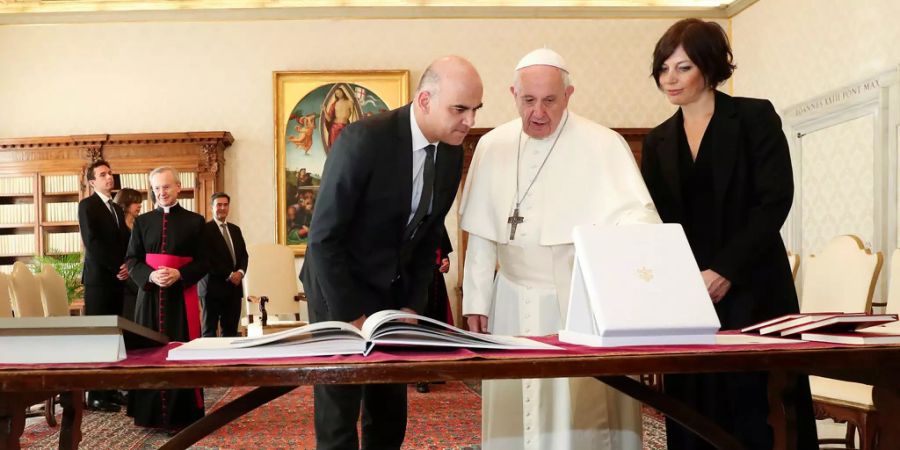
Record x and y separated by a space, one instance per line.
26 292
6 306
53 292
842 278
271 287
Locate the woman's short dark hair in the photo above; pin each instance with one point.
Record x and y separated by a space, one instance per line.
127 197
704 42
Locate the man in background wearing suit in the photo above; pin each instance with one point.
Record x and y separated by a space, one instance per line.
102 223
387 185
221 290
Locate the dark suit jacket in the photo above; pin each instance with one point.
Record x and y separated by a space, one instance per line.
754 189
104 241
220 264
357 260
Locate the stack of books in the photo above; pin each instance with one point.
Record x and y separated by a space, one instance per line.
834 327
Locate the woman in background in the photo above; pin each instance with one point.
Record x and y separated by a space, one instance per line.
721 168
130 201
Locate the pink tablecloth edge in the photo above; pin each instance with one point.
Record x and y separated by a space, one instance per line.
156 357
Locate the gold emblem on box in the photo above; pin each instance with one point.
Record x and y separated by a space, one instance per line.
645 274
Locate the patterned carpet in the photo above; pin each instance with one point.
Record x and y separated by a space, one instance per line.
449 417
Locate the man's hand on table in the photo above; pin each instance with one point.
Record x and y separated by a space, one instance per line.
477 323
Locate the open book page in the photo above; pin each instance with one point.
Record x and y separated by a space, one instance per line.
340 338
386 328
318 339
318 330
221 348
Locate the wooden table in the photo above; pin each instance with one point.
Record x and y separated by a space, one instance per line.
879 366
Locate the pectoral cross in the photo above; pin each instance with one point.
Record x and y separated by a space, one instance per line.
514 220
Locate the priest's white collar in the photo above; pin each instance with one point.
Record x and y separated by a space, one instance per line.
552 136
419 141
168 209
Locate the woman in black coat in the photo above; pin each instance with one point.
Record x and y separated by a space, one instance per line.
720 167
130 201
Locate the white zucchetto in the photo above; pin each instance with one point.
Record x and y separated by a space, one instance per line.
542 57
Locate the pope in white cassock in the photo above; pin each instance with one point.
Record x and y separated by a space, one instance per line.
531 181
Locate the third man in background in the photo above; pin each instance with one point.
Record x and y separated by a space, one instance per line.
531 181
222 289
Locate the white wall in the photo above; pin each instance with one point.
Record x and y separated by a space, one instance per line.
191 76
791 50
159 77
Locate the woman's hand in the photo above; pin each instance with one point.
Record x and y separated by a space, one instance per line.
716 285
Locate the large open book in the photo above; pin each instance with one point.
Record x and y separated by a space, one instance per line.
384 328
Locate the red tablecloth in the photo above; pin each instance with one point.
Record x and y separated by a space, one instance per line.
156 357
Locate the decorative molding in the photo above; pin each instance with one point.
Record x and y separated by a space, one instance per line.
210 161
92 11
93 152
117 139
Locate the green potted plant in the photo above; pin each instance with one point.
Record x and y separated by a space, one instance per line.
69 267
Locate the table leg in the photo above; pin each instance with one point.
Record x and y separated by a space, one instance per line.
222 416
12 417
73 410
678 411
887 403
782 411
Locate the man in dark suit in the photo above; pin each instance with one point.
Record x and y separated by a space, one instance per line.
102 225
387 185
222 289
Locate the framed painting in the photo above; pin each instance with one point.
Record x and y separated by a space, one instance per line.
311 109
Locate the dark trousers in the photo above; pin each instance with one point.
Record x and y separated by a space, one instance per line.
222 311
102 300
337 409
738 402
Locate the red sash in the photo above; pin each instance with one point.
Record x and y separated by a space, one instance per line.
191 300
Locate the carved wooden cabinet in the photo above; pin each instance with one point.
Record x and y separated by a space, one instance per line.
42 180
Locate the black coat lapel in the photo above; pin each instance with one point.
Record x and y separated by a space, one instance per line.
404 157
725 127
668 160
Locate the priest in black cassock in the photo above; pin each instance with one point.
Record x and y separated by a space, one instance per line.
165 259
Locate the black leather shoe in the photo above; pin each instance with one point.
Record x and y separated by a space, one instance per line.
422 387
118 398
103 406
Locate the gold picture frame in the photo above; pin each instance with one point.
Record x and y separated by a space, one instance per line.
311 109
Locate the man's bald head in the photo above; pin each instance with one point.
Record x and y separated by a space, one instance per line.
448 95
